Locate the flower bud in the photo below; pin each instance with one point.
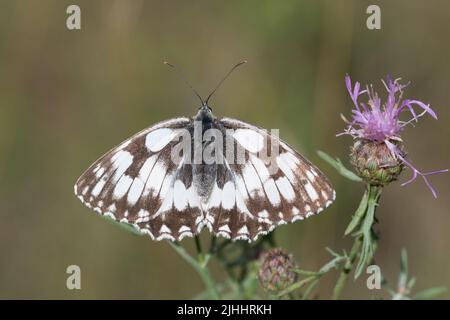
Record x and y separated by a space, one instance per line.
374 162
276 270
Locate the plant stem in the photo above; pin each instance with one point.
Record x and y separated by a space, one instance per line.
347 269
364 244
201 269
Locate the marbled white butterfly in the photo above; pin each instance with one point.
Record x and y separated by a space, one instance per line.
180 175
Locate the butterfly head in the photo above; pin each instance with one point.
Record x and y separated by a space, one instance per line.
204 113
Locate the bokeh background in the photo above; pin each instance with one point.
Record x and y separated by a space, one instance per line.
66 97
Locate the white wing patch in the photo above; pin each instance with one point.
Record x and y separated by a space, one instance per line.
138 185
122 186
272 192
285 188
155 179
180 196
228 195
159 138
312 193
252 180
251 140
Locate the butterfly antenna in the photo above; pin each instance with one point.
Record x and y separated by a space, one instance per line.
182 76
224 78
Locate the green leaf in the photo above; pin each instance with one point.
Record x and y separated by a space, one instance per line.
359 214
333 264
126 226
333 253
431 293
411 283
306 273
337 164
310 288
403 277
296 286
368 242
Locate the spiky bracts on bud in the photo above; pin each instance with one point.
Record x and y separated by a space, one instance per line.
375 163
276 272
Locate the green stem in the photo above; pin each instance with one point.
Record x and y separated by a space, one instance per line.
201 269
347 269
364 243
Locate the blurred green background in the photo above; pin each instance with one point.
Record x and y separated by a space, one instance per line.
66 97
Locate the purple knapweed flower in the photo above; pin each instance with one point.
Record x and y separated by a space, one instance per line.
380 124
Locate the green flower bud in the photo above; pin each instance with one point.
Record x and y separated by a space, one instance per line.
374 162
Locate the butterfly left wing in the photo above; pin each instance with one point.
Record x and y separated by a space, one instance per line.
138 183
251 196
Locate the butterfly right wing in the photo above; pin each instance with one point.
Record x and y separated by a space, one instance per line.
252 196
138 183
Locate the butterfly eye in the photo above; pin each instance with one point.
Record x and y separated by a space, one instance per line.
205 107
